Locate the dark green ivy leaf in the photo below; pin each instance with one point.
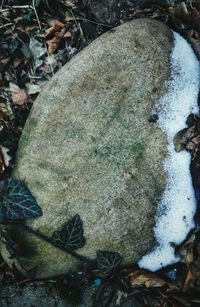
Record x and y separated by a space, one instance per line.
71 236
108 262
13 45
17 202
26 51
11 246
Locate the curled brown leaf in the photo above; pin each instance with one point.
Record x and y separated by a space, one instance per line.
19 96
146 279
194 38
57 27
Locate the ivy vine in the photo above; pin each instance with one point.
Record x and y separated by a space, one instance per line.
17 204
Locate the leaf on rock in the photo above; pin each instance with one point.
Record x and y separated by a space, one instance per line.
108 262
71 236
17 202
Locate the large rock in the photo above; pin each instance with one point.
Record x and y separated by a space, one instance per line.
88 146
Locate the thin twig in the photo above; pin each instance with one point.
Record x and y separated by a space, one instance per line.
36 14
48 240
91 21
21 6
6 25
78 25
40 27
15 7
34 77
2 4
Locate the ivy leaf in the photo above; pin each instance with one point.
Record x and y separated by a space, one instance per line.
108 262
11 246
17 202
71 236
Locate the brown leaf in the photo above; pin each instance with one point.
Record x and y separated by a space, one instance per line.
69 4
57 27
148 280
195 19
67 35
5 60
191 17
186 251
194 39
189 279
4 158
53 45
181 11
54 42
19 96
194 144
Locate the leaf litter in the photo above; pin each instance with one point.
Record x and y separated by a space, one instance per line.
36 41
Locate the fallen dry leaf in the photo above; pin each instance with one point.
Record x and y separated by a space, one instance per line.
54 42
5 60
38 50
19 96
194 39
190 17
181 11
32 88
186 252
4 158
195 19
57 27
189 279
50 63
67 35
70 4
148 280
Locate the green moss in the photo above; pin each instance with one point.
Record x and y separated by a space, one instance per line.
39 185
137 150
75 131
30 125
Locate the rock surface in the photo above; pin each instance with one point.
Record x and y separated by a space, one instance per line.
88 147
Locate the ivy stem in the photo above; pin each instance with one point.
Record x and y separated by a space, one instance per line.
48 240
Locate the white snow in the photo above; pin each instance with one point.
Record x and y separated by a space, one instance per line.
175 213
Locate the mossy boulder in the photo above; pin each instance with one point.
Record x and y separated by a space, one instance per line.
89 148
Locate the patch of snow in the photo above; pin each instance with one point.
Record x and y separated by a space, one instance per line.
175 212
